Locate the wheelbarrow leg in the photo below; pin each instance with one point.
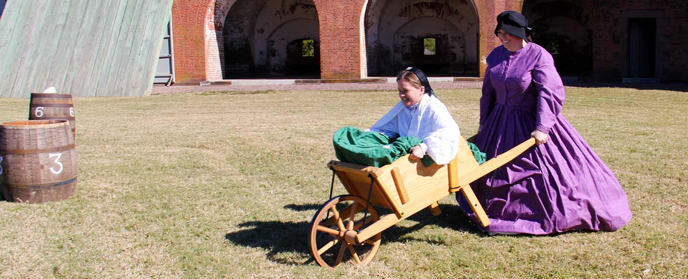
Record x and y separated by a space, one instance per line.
435 208
467 192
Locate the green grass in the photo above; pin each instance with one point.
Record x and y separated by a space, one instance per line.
225 185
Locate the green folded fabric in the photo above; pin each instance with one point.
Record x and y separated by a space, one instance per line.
477 154
352 145
370 148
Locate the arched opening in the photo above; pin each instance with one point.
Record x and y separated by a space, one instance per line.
440 37
562 28
430 50
271 38
303 57
292 49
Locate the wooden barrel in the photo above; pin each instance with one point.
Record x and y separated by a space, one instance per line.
37 161
48 106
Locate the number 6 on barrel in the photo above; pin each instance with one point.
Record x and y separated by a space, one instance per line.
39 112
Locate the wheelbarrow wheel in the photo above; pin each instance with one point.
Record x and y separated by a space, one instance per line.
334 228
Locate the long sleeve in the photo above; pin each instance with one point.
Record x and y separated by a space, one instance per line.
430 122
443 142
487 99
389 129
442 149
388 124
550 90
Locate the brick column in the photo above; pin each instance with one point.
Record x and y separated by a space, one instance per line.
488 11
189 19
342 44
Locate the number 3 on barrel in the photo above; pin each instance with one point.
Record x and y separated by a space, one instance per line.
57 161
39 112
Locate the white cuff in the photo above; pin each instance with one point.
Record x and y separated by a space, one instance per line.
424 147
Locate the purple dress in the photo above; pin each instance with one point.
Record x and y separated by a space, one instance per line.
558 186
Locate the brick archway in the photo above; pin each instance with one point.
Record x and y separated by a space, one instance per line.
564 28
487 13
199 26
396 33
259 39
190 41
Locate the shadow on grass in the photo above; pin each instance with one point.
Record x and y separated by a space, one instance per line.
304 207
276 237
282 238
452 217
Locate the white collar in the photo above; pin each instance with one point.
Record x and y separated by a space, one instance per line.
416 105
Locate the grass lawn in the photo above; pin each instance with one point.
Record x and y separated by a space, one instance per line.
225 185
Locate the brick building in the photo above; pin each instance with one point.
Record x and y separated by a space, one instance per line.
353 39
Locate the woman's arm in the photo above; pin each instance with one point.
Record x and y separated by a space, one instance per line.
389 129
550 90
442 149
442 143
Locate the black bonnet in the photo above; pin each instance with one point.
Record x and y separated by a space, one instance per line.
423 79
513 23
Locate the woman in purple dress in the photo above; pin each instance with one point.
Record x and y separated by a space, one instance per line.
560 184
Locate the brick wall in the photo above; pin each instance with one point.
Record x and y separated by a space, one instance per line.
487 14
199 50
189 19
610 37
341 45
341 34
199 46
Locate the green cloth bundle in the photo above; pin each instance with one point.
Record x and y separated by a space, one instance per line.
479 156
352 145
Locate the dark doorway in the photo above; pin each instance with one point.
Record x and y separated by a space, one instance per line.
440 37
571 51
267 38
303 57
642 37
564 29
432 56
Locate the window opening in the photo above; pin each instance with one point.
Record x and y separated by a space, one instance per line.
308 48
429 46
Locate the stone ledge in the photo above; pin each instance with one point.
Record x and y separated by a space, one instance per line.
202 83
363 80
639 80
462 79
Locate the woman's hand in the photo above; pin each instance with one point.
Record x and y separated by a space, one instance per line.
416 153
539 136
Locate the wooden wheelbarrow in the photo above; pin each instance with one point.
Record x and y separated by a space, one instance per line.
348 227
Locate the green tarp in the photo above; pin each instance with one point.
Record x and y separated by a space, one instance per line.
352 145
